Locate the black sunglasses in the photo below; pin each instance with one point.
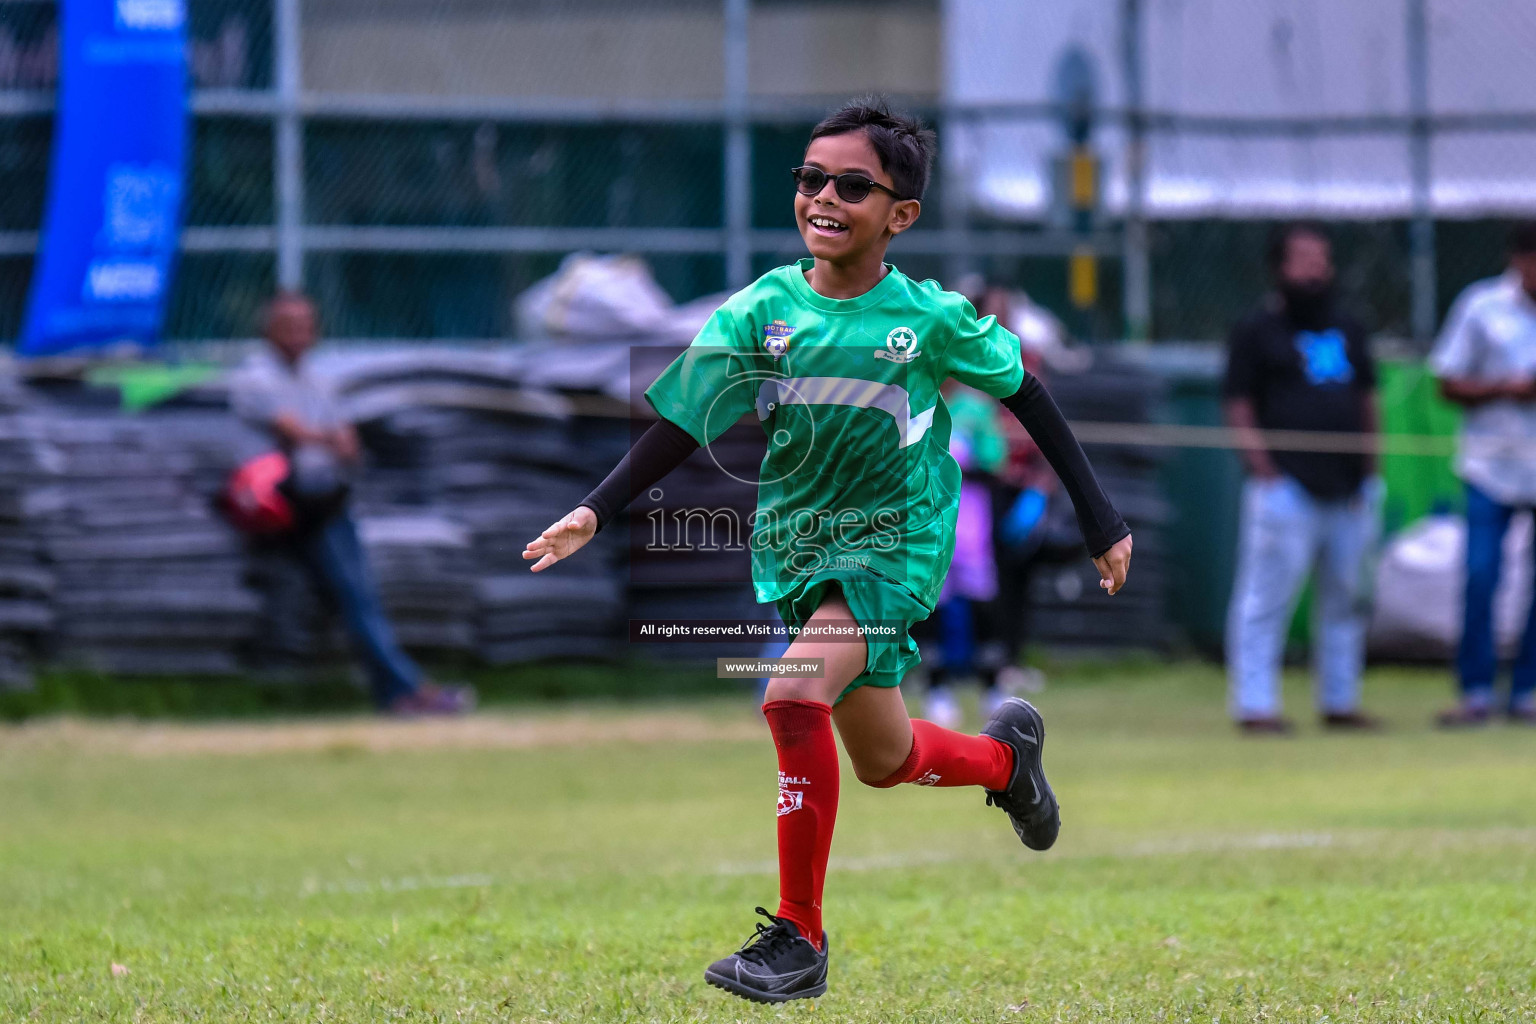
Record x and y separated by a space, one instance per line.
851 187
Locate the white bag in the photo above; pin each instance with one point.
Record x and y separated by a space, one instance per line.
594 297
1420 581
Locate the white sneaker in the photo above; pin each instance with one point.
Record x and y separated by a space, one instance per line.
1013 680
992 698
942 709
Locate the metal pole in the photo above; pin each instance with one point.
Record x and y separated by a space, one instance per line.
954 209
288 153
738 146
1422 233
1136 256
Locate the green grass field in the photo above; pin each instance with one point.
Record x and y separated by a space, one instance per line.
466 875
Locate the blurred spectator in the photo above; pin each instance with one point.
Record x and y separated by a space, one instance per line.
1299 363
1486 362
278 391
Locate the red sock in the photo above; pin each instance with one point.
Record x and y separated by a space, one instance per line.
942 757
802 732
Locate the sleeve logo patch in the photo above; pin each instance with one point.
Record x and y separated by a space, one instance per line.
900 345
776 338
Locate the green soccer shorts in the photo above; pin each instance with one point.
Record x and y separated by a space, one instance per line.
884 607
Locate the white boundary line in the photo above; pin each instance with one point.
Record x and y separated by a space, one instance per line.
1183 845
1170 846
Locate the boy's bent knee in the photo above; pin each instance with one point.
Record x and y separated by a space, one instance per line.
877 778
798 689
883 773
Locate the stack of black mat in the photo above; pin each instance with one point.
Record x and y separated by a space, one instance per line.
26 581
1068 609
148 579
501 477
112 556
424 563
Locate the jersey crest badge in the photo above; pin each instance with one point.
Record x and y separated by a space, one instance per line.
776 338
900 346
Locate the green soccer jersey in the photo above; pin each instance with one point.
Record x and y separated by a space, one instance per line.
858 473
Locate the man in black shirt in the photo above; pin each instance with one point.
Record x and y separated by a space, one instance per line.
1299 364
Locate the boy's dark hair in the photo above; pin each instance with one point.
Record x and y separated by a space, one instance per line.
904 144
1522 238
1279 245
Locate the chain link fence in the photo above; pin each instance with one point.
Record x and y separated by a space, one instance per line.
442 155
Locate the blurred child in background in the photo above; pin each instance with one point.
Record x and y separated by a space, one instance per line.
978 445
980 624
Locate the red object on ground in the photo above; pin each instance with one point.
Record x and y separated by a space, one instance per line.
252 500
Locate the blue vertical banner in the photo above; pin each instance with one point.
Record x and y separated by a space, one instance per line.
116 181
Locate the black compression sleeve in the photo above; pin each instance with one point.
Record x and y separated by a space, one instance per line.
660 450
1035 408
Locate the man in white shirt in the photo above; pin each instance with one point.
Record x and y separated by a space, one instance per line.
278 391
1486 362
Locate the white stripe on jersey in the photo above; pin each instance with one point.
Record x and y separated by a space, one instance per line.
853 391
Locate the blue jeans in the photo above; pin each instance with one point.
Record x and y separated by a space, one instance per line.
1285 533
335 554
957 635
1477 661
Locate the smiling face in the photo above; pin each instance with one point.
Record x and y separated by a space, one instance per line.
842 232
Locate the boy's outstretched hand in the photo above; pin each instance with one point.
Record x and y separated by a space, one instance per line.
563 539
1112 565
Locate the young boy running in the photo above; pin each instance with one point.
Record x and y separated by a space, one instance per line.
841 357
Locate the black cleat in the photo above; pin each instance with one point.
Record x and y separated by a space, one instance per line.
776 965
1028 800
